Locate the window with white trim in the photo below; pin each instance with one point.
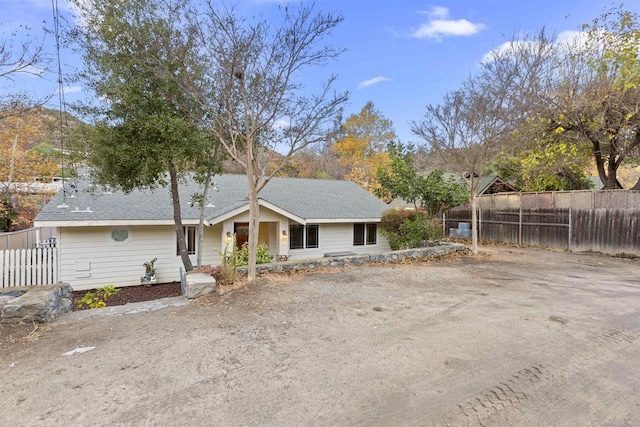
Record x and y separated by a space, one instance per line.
365 234
190 239
301 236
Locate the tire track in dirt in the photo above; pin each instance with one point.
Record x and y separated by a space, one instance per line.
538 387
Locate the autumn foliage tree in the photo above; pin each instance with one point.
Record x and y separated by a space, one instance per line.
20 166
362 145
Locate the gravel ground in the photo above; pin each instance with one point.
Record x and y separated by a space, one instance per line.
509 337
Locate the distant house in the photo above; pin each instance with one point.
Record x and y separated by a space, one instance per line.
493 184
104 237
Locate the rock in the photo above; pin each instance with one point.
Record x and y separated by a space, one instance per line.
199 284
39 304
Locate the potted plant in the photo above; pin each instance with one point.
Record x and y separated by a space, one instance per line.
149 272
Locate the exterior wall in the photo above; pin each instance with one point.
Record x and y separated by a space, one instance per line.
89 258
338 238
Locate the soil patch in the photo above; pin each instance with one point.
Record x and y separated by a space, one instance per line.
135 294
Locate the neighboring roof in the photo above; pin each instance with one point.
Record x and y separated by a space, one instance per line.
314 200
488 184
493 184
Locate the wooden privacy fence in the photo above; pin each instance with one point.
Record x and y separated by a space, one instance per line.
28 267
605 222
25 239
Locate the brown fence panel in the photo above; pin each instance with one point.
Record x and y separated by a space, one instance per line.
545 227
537 200
499 225
608 231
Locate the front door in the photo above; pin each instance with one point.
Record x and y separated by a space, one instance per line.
241 230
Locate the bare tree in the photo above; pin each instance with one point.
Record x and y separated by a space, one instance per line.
20 58
256 103
472 125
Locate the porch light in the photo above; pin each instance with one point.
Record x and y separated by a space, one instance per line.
284 234
229 237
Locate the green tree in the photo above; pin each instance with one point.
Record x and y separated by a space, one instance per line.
147 126
546 162
433 193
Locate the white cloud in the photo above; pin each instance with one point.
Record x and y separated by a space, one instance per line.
566 41
439 25
71 89
281 124
373 81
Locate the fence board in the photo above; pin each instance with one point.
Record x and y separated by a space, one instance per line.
612 231
28 267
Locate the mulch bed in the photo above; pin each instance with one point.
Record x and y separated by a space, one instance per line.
135 294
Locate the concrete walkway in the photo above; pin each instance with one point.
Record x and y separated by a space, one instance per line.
130 308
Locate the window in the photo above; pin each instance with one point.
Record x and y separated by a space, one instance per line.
190 240
296 236
119 234
365 234
312 236
372 234
301 236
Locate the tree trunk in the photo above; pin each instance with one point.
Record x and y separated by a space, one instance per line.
177 218
254 228
203 207
474 222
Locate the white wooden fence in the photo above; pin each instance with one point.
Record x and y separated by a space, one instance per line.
28 267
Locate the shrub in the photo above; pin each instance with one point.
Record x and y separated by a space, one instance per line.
98 298
262 255
407 229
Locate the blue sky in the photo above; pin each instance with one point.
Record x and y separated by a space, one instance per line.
400 54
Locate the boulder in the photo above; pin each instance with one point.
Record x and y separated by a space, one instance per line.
199 284
38 303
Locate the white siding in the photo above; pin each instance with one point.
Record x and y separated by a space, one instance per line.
89 258
338 238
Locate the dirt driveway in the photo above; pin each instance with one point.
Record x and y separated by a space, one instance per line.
511 337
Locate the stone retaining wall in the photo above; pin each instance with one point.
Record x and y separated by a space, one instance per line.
434 249
37 303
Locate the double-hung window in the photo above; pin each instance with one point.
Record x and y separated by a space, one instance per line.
190 240
365 234
303 236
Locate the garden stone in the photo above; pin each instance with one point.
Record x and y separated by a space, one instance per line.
38 304
199 284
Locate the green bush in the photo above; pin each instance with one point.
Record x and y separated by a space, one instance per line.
98 298
407 229
262 254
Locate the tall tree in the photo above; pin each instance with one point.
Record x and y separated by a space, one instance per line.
147 127
255 102
587 88
362 145
468 129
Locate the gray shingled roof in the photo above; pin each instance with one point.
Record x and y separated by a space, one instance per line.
305 198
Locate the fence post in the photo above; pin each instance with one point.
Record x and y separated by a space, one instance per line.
520 222
570 231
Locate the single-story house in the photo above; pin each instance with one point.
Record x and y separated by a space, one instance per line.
104 237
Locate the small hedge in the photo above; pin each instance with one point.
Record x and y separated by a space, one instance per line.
406 229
